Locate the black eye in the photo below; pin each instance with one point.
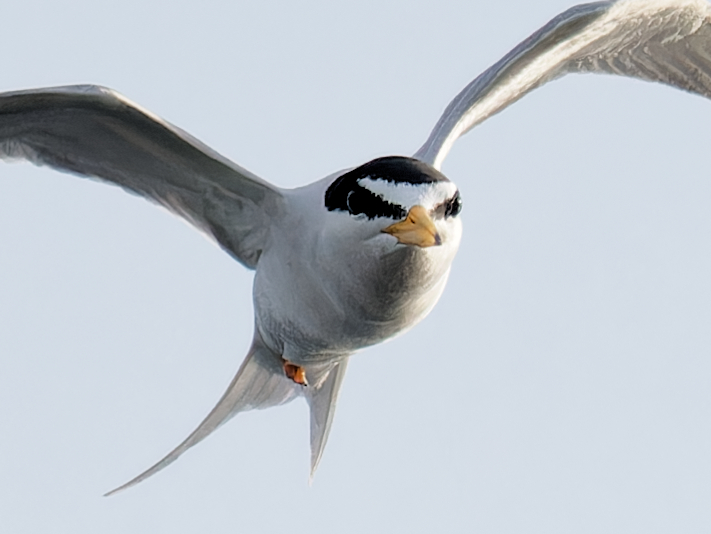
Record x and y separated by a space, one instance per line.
454 206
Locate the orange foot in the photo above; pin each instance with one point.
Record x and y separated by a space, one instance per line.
295 373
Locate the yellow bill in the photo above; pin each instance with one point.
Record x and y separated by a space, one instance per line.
415 229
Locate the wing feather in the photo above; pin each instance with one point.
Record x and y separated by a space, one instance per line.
96 132
666 41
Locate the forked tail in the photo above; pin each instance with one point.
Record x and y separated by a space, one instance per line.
261 383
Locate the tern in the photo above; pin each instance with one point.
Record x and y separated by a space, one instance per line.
359 256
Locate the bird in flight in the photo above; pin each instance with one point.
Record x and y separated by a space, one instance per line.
362 255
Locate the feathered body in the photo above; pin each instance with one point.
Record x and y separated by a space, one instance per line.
364 254
355 285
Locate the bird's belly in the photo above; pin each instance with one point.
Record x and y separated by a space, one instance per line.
313 311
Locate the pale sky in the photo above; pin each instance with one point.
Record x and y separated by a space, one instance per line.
561 384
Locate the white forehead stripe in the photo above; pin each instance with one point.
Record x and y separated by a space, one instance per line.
405 194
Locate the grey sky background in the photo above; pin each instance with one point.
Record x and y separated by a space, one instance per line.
561 385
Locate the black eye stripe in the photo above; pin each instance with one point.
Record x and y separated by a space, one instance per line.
346 193
453 206
450 207
360 200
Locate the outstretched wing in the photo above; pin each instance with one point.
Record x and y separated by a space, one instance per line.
667 41
96 132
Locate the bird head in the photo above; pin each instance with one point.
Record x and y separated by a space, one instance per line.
404 197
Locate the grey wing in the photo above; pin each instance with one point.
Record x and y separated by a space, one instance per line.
96 132
667 41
